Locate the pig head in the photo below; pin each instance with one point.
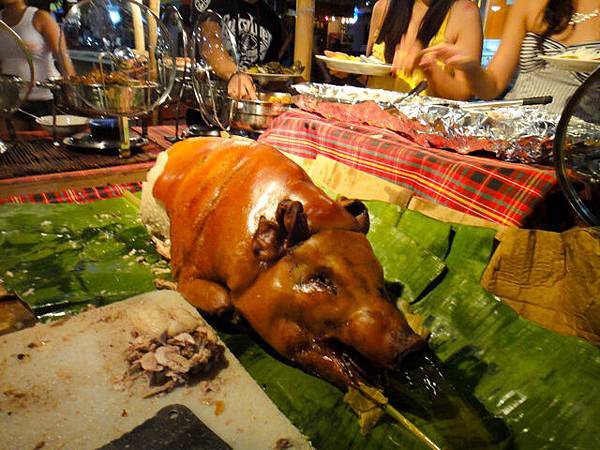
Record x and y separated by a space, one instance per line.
328 290
252 233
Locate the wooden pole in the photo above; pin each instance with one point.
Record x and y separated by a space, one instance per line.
303 46
154 6
138 28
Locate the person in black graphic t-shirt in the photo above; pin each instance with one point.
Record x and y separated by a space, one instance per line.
258 34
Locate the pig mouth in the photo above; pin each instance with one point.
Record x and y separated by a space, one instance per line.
357 368
360 369
416 344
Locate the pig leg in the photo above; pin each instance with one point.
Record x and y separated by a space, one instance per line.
205 295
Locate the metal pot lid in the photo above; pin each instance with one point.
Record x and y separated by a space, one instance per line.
211 33
577 159
117 43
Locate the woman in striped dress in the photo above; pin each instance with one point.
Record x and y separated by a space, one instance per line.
534 28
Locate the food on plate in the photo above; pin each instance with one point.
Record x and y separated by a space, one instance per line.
247 231
276 68
359 59
342 56
584 53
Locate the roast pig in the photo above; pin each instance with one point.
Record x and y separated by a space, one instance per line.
247 230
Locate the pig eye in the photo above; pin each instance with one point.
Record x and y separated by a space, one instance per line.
318 282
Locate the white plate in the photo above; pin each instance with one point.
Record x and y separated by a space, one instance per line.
66 125
572 64
357 67
63 120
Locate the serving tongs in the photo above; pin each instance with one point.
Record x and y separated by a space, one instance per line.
423 85
529 101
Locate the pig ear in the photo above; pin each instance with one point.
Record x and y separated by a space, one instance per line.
292 219
272 239
359 211
267 242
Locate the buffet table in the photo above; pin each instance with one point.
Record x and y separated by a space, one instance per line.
501 192
41 173
496 191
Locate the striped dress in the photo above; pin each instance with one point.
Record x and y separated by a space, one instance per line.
538 78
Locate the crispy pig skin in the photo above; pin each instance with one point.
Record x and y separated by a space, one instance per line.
250 231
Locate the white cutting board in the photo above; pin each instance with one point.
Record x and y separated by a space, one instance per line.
60 383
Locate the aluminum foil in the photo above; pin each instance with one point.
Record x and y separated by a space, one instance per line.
349 94
516 133
521 134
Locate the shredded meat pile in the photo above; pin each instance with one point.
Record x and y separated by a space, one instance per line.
172 361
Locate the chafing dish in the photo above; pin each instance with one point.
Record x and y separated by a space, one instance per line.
94 99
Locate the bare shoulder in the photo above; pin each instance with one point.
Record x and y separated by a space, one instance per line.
380 7
42 15
463 17
42 18
464 10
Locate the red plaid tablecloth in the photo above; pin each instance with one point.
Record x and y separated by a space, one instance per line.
81 196
497 191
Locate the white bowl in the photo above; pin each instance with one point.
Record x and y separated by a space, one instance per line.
66 125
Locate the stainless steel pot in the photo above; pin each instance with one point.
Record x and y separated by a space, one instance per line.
257 115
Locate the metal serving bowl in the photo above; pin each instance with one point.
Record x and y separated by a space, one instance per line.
111 99
256 115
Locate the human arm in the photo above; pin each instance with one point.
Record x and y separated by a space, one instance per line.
45 24
212 49
377 16
465 30
488 83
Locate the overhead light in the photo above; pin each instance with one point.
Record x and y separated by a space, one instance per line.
496 8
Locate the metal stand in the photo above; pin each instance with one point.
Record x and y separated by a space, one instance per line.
125 147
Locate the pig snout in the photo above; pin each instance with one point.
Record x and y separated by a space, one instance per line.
380 334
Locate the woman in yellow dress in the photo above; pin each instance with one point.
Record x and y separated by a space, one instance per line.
401 29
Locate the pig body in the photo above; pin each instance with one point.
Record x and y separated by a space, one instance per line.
250 231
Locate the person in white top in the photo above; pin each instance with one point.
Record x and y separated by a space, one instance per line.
41 35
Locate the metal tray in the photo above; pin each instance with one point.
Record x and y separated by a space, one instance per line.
85 142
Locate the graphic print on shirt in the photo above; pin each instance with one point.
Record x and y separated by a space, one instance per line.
251 38
201 5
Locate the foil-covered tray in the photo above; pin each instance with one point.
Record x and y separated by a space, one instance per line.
349 94
516 133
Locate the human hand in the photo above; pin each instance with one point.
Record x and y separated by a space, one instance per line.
451 55
406 61
241 87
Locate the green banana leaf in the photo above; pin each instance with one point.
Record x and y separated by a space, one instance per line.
545 386
62 257
484 358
